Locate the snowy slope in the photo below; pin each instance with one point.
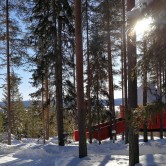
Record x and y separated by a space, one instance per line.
29 152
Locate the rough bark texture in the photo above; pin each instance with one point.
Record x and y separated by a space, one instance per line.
43 113
125 71
89 76
160 100
132 104
145 96
79 78
47 107
110 73
132 91
8 74
59 102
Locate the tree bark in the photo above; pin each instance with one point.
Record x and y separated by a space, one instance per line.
110 73
43 113
8 74
79 78
89 73
58 73
132 91
97 105
125 72
161 112
145 95
59 101
47 107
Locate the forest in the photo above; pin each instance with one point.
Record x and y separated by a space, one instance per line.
79 53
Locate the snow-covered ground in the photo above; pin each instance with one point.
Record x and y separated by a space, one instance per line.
30 152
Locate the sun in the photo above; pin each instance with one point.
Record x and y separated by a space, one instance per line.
143 26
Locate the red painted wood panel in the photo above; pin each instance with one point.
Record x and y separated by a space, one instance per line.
120 127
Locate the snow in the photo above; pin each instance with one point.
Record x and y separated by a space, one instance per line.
152 93
147 2
139 7
134 13
31 152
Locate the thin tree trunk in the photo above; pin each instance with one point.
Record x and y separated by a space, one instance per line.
161 112
122 78
8 74
74 79
97 105
89 73
161 124
47 107
110 74
59 102
151 135
125 73
132 92
58 74
79 78
145 96
43 114
73 59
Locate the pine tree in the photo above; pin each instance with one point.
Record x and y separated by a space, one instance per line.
16 40
17 107
12 43
33 123
79 72
107 15
132 92
47 21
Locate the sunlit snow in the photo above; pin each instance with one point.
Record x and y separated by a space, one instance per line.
30 152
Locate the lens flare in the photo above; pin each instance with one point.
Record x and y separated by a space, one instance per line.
143 26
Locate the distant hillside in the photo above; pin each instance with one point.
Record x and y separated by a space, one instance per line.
117 102
26 103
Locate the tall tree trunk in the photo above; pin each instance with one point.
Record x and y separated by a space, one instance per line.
132 92
110 73
74 77
161 112
8 74
122 78
57 54
59 100
43 114
88 71
47 106
145 95
97 105
79 78
125 72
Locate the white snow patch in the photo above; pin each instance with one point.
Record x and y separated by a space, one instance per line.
28 152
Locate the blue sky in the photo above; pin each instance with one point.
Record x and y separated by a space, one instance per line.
25 87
